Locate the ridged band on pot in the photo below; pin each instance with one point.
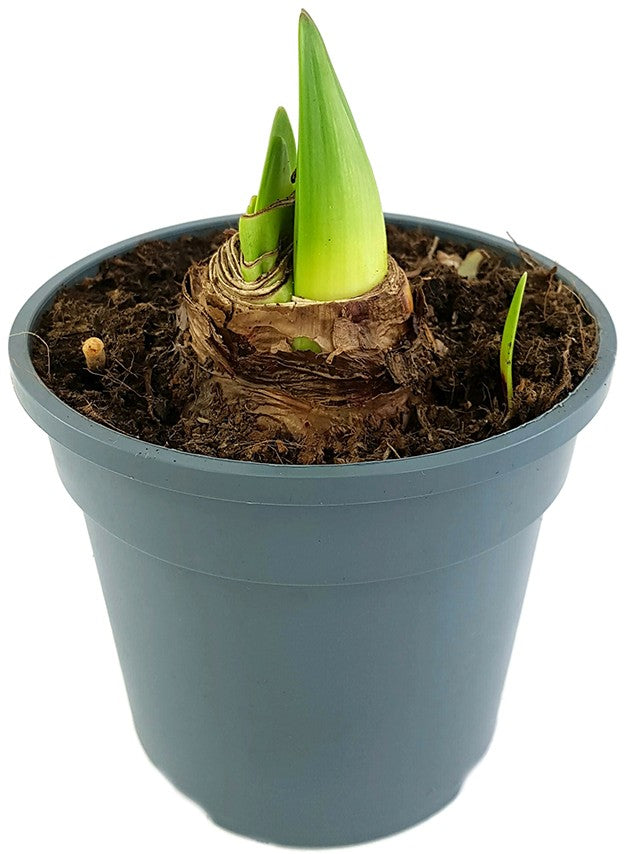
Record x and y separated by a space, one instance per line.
315 654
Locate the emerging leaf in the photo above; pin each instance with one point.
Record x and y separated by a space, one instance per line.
340 248
303 343
508 339
269 219
280 161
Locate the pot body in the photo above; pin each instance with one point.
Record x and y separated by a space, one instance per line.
313 654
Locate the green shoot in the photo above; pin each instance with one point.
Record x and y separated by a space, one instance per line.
508 339
340 248
269 218
303 343
276 183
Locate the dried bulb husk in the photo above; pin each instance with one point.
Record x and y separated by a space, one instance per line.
246 344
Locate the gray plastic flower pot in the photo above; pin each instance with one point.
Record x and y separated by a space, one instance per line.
314 654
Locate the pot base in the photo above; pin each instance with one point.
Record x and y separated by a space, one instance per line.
260 830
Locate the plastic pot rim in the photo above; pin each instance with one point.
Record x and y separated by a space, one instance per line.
276 483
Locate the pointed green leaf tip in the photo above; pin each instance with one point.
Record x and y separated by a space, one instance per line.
509 338
269 218
340 248
275 183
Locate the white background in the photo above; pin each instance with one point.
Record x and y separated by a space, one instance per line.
121 117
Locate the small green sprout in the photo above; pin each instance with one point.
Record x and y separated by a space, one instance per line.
508 339
302 343
268 222
340 247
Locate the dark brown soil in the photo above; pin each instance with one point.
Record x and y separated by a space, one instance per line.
149 386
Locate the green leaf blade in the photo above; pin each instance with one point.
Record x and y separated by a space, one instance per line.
340 247
508 340
275 183
268 222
